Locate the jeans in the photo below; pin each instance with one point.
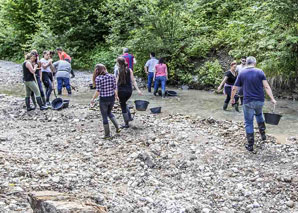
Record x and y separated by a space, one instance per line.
31 87
47 79
228 92
106 110
250 109
63 81
150 80
160 80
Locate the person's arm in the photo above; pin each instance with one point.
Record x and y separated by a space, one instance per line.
134 82
154 73
30 68
268 91
234 90
146 69
222 83
166 71
134 60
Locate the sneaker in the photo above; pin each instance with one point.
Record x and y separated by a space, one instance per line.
48 104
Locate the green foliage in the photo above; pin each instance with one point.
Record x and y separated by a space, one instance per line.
210 74
185 33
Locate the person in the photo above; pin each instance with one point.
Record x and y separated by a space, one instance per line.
129 58
64 56
149 69
125 79
160 77
29 70
47 76
63 69
228 82
105 84
239 68
38 76
253 81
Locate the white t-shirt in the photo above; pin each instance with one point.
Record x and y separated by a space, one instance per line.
239 68
151 64
43 61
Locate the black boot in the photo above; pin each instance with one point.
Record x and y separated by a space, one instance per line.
225 106
107 131
43 100
154 93
250 142
27 101
236 105
72 74
126 120
38 99
262 129
33 101
129 114
114 121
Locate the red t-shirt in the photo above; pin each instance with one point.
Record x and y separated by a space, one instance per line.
63 55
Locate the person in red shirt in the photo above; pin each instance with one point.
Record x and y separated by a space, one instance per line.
64 56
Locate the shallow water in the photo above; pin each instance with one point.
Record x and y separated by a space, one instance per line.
198 103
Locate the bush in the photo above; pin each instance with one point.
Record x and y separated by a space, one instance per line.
210 74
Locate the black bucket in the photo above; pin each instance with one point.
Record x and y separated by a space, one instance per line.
91 86
57 104
155 110
141 105
171 93
65 104
271 118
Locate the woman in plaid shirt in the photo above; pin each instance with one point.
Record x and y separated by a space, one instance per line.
106 90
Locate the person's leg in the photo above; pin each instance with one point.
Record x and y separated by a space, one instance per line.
48 85
33 99
104 113
260 119
34 87
67 85
42 94
150 79
228 97
27 98
123 98
112 116
156 84
163 86
248 112
59 85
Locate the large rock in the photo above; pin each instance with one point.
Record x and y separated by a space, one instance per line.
56 202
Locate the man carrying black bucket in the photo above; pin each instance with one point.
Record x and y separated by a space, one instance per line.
253 81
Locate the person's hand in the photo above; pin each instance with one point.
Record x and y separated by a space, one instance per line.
92 103
233 101
139 92
273 101
147 73
35 66
117 98
50 61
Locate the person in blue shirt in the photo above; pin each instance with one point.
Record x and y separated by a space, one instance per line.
253 81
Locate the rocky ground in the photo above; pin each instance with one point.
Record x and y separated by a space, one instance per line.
173 163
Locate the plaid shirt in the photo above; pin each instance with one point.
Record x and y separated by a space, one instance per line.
105 85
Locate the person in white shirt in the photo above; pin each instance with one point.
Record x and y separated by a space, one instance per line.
149 69
47 75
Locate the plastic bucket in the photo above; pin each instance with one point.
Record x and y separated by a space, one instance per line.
57 104
65 104
141 105
155 110
271 118
171 93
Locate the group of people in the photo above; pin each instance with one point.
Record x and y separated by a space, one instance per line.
244 82
248 82
38 72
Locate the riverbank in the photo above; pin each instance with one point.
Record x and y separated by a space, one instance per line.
173 162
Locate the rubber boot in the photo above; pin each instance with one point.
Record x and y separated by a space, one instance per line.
236 105
27 102
225 106
250 142
129 114
107 131
33 101
262 129
163 94
126 120
43 100
154 93
114 121
38 99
